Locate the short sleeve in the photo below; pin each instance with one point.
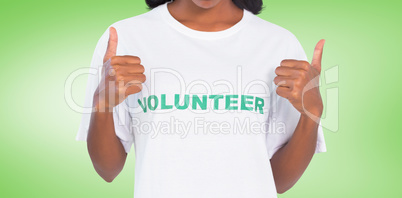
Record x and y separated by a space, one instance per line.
121 115
283 117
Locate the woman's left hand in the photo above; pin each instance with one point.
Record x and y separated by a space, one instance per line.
298 82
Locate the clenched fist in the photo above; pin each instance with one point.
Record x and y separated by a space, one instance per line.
298 82
121 76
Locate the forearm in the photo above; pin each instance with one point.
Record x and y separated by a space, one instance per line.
105 149
289 162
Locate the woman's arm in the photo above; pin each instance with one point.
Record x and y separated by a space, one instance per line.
298 82
290 161
105 149
121 76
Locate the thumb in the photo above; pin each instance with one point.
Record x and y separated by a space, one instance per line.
317 56
112 44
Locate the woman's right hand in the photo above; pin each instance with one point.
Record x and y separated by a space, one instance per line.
121 77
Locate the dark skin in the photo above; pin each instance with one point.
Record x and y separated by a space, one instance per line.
288 163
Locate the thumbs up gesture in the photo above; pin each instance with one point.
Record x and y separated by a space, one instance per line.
121 76
298 82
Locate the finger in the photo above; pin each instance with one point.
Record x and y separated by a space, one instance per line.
297 64
135 78
124 79
130 68
287 71
112 45
125 60
289 62
317 56
136 69
132 88
283 81
283 92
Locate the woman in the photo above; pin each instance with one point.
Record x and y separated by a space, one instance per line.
191 86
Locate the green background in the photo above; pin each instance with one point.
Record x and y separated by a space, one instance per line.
42 42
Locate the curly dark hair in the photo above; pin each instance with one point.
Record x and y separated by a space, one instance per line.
254 6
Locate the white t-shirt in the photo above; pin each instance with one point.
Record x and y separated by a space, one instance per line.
208 119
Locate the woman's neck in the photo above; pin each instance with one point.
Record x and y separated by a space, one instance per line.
219 17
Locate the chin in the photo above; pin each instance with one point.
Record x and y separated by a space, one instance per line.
206 4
